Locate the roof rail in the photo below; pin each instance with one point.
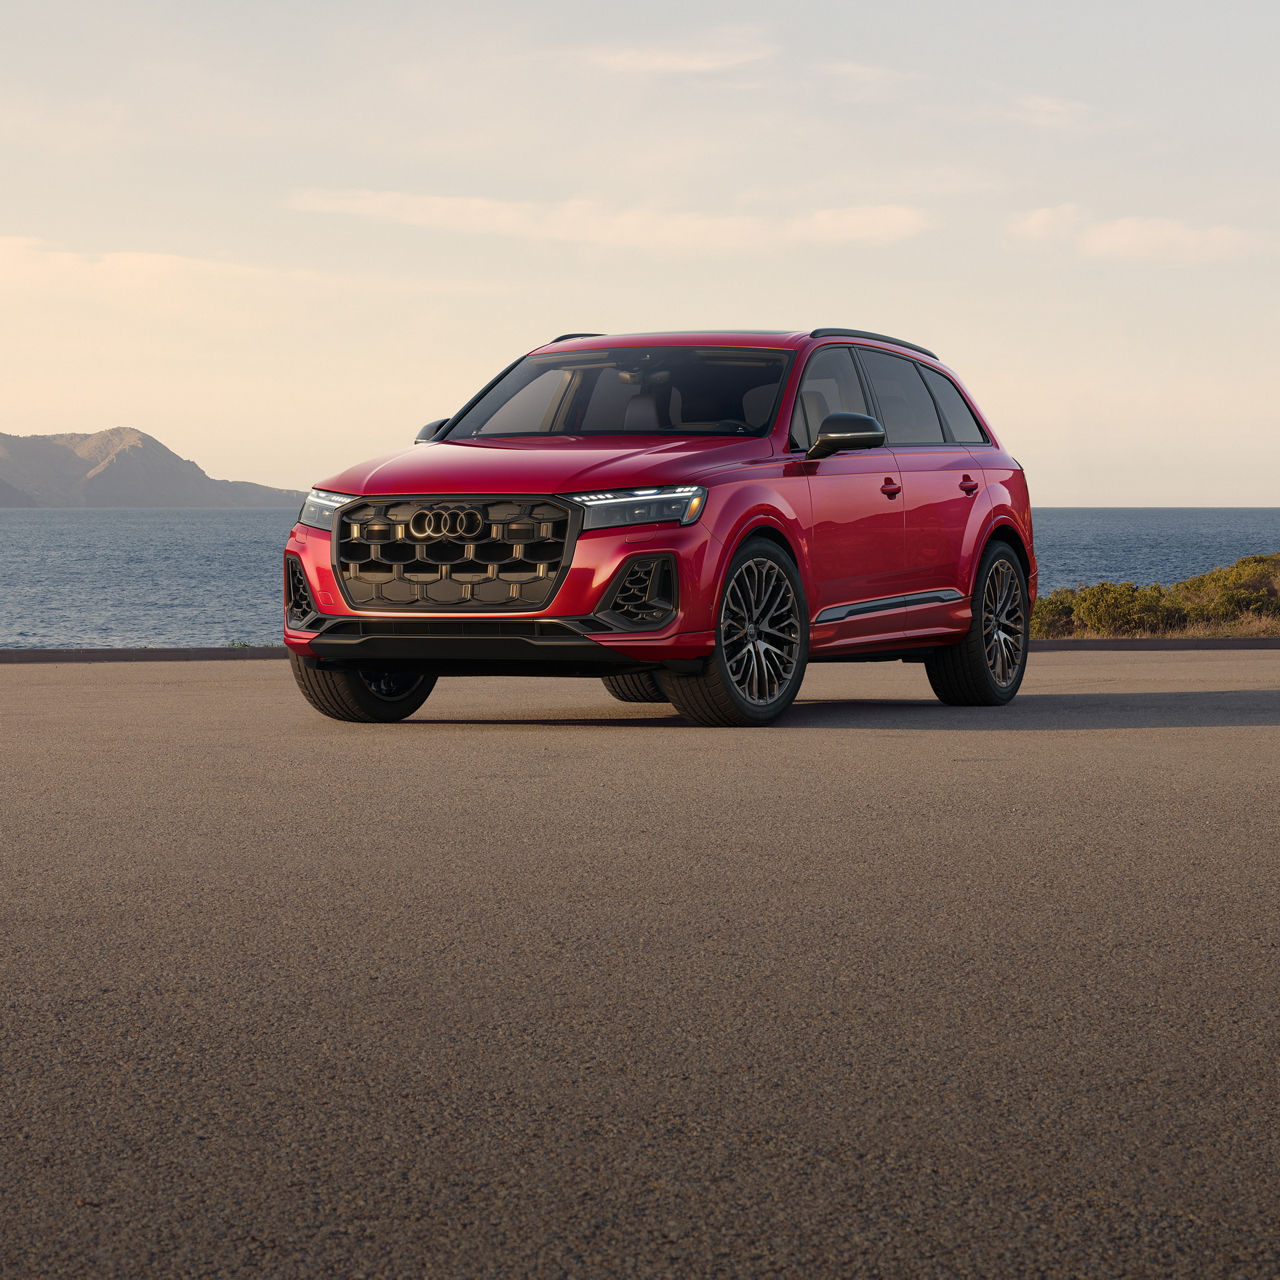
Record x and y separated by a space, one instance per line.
564 337
878 337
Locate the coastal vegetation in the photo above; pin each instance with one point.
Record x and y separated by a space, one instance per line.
1242 599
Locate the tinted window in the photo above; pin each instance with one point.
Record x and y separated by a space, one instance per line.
607 402
906 406
830 385
960 420
681 390
531 408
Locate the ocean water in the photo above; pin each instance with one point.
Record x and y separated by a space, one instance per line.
1147 544
108 579
128 579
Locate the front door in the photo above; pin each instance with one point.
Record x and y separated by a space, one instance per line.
857 542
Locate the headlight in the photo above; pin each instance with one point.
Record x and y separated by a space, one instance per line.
318 509
641 506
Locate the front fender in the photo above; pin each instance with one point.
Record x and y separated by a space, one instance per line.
778 504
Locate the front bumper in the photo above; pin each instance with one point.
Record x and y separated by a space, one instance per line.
579 632
474 647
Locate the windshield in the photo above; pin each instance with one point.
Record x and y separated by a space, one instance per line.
720 391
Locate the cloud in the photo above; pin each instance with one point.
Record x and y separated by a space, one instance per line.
66 127
50 271
1133 239
725 50
1063 116
588 222
1058 114
1046 224
1164 240
871 224
859 80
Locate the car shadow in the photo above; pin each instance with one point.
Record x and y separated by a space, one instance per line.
1230 708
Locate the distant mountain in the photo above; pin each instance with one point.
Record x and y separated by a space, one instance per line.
117 468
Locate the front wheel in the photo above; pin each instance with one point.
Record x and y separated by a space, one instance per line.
986 668
365 695
762 644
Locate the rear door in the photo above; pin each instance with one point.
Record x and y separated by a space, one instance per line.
857 538
942 487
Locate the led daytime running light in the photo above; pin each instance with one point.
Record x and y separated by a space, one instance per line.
319 506
613 507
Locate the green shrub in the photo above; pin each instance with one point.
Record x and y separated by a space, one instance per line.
1245 595
1054 614
1123 609
1250 586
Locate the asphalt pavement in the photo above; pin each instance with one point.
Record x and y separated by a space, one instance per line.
543 984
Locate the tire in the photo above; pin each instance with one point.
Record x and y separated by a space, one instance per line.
986 668
369 697
641 687
749 680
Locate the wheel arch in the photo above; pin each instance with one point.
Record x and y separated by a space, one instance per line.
1007 534
769 533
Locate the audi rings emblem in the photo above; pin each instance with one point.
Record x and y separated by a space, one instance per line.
446 522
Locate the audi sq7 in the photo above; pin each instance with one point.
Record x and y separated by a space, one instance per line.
691 517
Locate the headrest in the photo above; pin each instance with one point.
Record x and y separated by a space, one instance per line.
816 409
641 414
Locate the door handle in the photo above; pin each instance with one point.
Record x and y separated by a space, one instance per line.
969 485
890 488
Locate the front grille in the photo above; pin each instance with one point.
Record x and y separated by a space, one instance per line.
479 553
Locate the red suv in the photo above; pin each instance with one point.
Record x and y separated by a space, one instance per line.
692 517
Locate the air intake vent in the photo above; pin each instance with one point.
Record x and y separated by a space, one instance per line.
300 612
643 595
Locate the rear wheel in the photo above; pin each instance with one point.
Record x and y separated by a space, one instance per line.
762 644
367 695
986 668
640 687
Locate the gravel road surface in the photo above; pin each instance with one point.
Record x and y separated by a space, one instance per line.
543 984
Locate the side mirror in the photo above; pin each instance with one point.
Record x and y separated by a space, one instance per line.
846 431
430 431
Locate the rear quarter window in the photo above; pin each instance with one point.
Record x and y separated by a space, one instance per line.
964 427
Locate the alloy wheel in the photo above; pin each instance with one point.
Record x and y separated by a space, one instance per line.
760 631
1004 623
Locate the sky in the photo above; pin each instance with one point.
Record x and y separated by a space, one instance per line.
281 236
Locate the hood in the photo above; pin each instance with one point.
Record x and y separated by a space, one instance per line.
546 464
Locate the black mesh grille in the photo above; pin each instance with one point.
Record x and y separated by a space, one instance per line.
300 611
644 594
482 553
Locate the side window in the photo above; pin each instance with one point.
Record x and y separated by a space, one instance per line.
830 385
961 423
905 403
